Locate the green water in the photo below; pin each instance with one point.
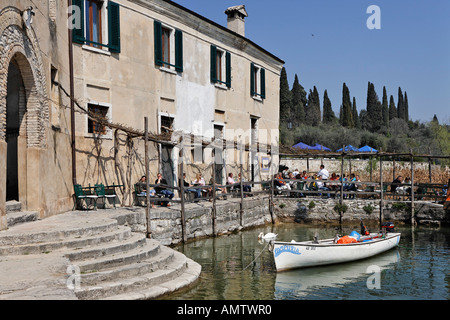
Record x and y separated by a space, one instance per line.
417 269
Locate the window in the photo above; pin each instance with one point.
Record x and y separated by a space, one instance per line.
100 20
257 81
166 124
93 19
220 66
99 112
168 47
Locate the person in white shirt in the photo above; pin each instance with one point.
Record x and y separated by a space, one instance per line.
323 173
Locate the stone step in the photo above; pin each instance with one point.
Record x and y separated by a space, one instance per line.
171 271
119 233
183 281
130 270
44 231
13 206
113 247
18 217
149 249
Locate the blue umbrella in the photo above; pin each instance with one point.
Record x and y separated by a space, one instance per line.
302 145
348 148
320 147
367 149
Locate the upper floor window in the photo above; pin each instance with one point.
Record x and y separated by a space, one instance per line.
99 20
101 114
220 66
257 81
168 47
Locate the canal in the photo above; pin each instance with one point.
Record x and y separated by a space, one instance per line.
239 266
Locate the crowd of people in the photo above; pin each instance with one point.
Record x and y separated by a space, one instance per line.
197 187
319 181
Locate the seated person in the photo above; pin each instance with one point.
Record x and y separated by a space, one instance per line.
279 184
187 185
199 181
321 185
404 189
142 188
161 190
396 183
245 187
230 180
350 186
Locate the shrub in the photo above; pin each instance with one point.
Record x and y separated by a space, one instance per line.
368 208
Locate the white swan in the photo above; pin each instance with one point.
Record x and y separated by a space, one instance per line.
268 236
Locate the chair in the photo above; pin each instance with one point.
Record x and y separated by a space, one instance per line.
101 193
81 195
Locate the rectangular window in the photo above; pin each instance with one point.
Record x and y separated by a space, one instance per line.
220 66
257 81
168 47
99 23
98 112
94 33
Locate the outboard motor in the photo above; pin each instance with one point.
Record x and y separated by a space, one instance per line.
364 230
388 226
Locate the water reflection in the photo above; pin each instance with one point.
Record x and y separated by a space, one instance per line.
239 267
299 283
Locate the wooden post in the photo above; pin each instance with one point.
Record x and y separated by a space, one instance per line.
214 188
271 187
413 219
371 169
429 167
381 191
147 175
341 200
241 211
181 173
393 170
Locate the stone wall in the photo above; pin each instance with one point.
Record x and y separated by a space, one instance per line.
322 211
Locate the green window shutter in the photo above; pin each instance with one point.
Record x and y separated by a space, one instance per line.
263 83
228 69
179 50
114 27
213 64
78 33
252 79
158 43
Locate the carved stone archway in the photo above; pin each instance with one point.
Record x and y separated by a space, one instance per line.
19 45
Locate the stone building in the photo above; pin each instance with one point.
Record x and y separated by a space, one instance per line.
122 61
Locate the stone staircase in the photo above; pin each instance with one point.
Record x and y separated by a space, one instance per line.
15 215
112 262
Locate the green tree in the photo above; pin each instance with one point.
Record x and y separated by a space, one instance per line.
374 110
356 121
299 101
385 109
285 98
347 116
313 115
392 109
328 113
400 105
406 107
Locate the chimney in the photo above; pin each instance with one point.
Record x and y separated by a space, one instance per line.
236 19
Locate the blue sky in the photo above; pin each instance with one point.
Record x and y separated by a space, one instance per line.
327 43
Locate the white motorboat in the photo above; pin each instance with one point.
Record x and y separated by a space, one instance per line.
292 255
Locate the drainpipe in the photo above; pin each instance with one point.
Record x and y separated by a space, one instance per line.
72 95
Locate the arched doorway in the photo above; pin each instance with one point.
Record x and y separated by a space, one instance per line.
15 114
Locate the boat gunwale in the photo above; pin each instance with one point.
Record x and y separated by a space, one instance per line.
323 245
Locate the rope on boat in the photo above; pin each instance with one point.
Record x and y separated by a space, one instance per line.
268 243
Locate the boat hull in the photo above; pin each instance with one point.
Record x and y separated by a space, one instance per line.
292 255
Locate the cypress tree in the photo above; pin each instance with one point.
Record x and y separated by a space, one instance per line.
299 102
406 107
400 105
313 116
356 121
285 98
392 109
374 110
385 109
328 114
347 117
